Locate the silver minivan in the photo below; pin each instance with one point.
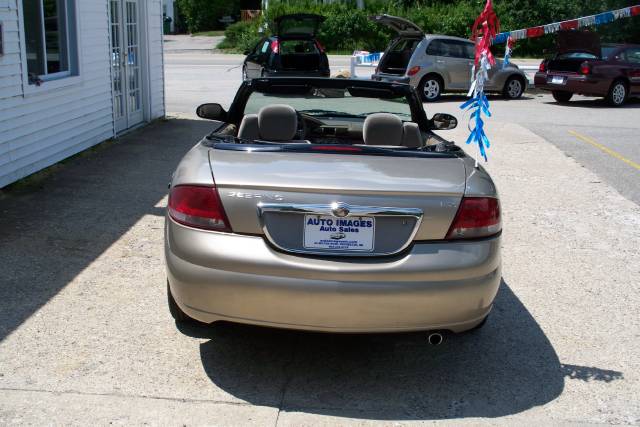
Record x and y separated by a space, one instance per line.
435 64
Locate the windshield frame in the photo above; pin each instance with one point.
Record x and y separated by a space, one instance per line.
248 87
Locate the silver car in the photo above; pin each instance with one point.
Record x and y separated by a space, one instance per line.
434 64
330 205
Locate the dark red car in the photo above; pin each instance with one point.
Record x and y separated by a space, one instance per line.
581 65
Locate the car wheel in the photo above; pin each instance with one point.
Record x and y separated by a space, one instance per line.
176 312
617 93
244 74
561 96
430 88
513 88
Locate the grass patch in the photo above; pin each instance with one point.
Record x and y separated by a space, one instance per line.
215 33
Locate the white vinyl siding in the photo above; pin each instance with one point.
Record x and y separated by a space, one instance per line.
155 58
43 125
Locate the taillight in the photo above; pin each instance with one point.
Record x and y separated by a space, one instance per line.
319 46
476 217
585 68
542 67
198 206
275 46
413 70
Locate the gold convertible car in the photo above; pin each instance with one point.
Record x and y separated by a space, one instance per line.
330 205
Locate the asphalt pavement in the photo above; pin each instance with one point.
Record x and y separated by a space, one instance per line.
86 336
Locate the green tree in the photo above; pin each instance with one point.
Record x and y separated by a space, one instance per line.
204 15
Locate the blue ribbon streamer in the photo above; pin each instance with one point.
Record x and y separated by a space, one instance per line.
479 104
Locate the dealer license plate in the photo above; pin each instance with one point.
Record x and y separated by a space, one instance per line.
557 80
341 234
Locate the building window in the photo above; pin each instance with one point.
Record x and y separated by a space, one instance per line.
50 31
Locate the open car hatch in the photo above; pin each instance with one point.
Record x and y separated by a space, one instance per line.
579 41
401 25
298 25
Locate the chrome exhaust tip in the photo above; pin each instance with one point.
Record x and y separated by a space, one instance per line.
435 338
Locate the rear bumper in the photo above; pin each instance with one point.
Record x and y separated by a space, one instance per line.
574 83
296 73
381 77
215 276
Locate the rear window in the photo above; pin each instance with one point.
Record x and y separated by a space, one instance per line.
404 45
577 55
608 51
451 48
288 47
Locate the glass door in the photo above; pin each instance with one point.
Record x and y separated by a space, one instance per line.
125 63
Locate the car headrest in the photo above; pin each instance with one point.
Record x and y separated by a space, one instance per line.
411 136
249 127
382 129
278 122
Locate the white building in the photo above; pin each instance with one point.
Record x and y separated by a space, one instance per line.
74 73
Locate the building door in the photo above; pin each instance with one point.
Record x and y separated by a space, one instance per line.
125 63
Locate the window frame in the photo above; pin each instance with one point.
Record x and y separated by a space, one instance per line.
59 79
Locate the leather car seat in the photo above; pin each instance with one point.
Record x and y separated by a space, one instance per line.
276 123
386 129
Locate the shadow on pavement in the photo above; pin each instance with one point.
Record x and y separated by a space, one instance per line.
59 225
596 103
492 97
505 368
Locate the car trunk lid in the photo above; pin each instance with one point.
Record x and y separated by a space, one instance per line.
572 49
278 195
298 25
402 26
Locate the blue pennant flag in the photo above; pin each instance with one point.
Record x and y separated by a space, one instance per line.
478 105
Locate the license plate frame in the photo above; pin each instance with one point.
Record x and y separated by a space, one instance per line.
329 233
557 80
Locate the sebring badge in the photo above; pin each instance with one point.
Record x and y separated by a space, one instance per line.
339 209
244 195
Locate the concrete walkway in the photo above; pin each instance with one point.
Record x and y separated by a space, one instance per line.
86 337
190 44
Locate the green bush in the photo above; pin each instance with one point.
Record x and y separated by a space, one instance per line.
241 36
203 15
346 28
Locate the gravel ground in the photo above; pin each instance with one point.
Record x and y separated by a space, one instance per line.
86 337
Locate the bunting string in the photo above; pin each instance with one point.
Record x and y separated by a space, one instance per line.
573 24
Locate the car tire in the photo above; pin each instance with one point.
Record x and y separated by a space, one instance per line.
513 88
561 96
176 312
618 93
430 88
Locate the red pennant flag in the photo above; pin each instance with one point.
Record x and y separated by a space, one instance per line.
484 31
569 25
535 32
